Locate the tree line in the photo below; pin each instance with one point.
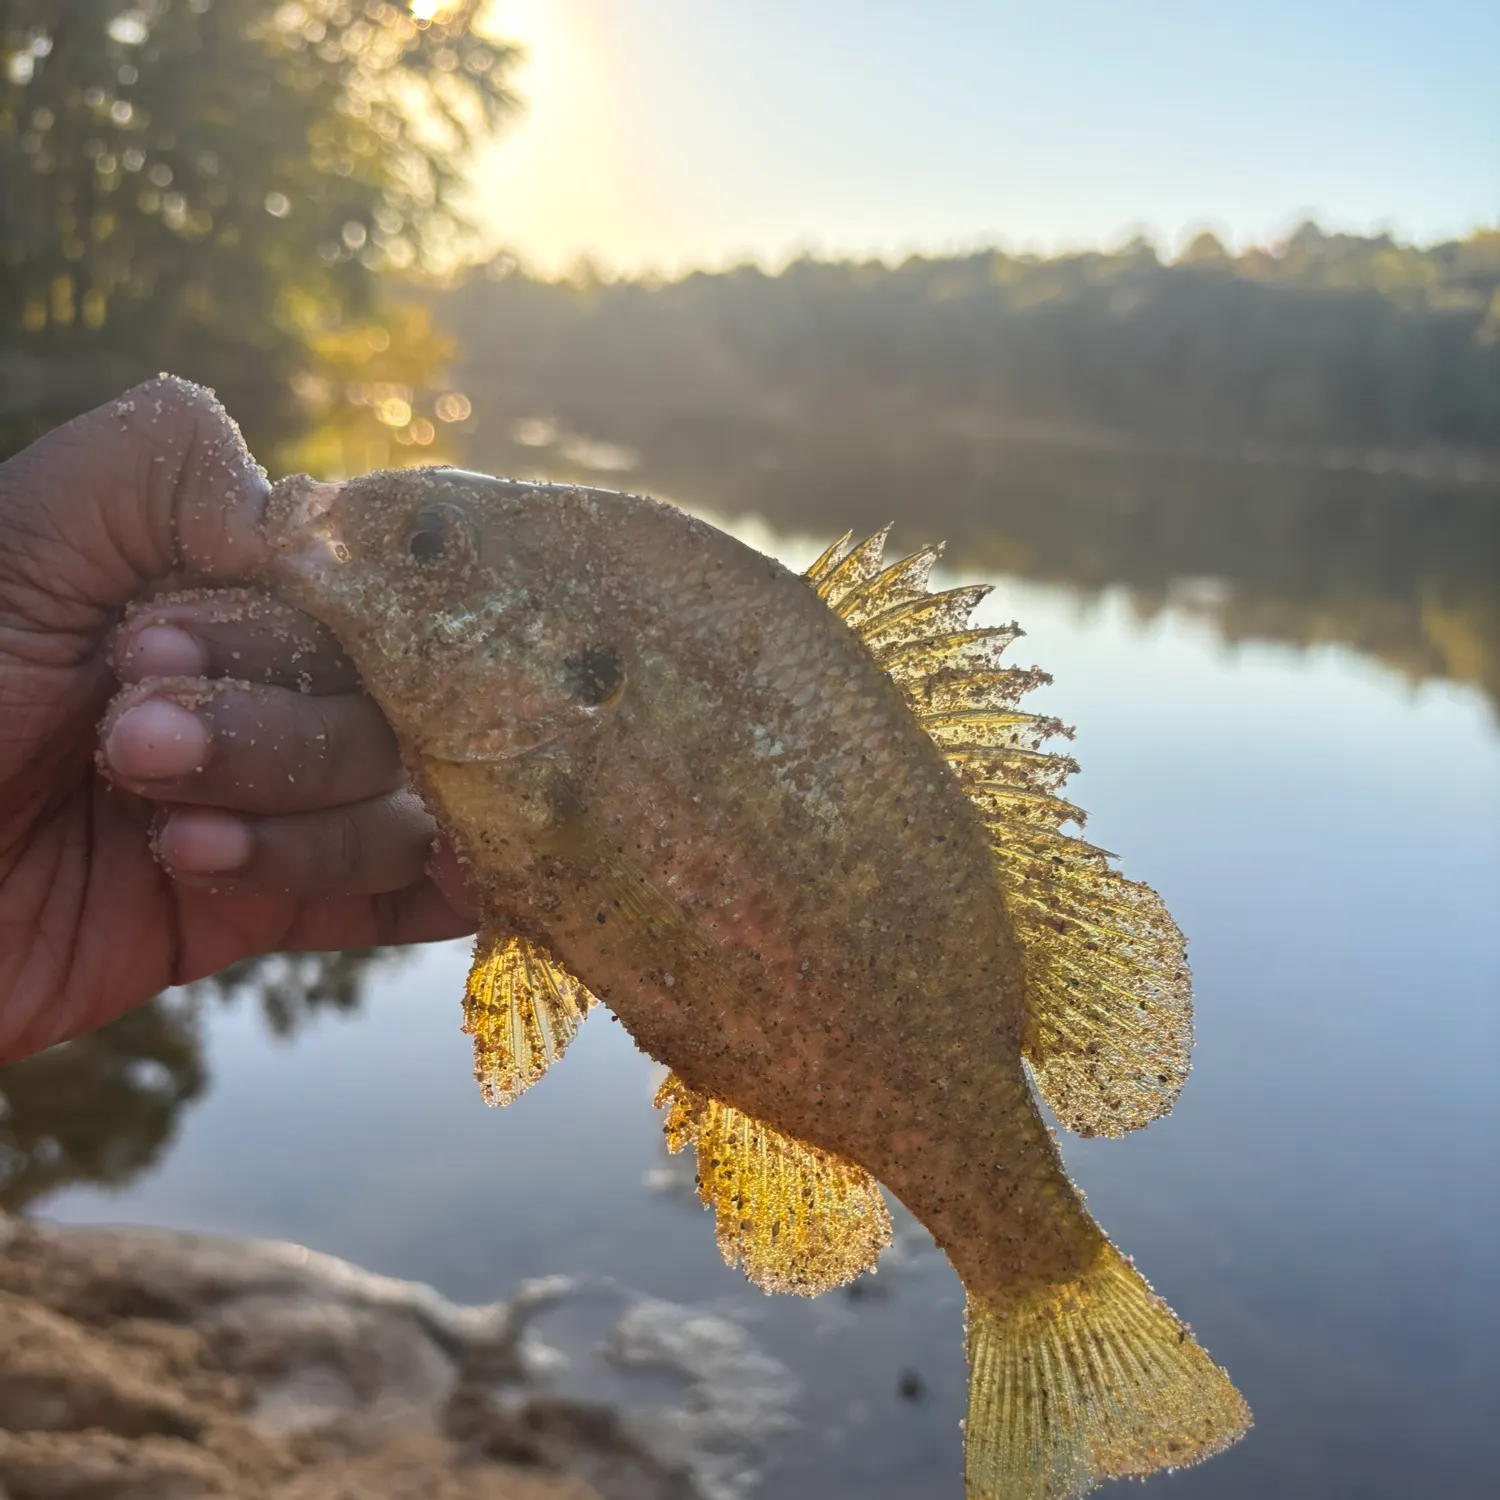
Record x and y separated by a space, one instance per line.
1326 342
1315 426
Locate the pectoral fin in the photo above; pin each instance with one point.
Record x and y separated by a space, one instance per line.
798 1219
522 1009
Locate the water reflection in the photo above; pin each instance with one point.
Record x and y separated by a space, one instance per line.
291 988
104 1108
101 1109
1402 569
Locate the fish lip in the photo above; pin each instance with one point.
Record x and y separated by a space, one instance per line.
303 541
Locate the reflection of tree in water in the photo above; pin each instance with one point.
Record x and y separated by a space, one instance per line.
292 987
1401 568
102 1109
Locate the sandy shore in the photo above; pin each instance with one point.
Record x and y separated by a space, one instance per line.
150 1365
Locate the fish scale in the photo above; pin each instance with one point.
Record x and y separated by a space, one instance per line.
812 856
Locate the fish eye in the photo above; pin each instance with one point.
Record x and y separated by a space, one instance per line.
435 532
596 676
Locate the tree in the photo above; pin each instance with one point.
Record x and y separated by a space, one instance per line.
219 186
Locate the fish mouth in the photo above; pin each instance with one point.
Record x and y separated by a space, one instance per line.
304 542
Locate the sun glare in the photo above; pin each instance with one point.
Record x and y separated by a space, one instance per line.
552 181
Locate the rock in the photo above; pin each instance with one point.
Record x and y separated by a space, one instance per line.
147 1363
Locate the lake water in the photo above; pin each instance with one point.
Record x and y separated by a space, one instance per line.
1323 1205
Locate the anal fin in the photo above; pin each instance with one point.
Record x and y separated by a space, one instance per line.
797 1219
522 1008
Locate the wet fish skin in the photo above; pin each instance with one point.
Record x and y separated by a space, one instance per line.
669 765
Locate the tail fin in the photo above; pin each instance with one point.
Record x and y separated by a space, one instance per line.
1097 1379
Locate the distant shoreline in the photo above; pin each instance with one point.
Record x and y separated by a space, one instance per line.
1432 464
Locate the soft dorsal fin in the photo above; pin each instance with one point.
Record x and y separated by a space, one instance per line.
522 1009
798 1219
1110 1019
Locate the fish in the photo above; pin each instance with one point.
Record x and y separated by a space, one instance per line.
797 834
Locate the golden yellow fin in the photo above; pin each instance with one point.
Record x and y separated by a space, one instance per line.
1097 1379
915 661
522 1009
1110 1021
900 583
798 1219
846 571
832 556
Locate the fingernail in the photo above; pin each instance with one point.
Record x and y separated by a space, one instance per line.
162 651
204 843
157 741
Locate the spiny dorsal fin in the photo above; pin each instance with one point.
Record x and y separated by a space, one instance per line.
830 558
798 1219
899 584
1110 1020
522 1009
962 653
849 570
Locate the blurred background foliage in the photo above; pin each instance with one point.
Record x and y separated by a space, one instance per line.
269 197
232 189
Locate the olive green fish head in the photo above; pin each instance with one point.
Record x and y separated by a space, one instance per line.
483 614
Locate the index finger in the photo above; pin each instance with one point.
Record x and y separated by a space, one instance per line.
155 484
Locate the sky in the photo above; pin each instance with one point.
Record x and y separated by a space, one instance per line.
664 134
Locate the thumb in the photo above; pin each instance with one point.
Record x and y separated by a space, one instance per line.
154 484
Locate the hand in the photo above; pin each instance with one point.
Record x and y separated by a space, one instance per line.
240 795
